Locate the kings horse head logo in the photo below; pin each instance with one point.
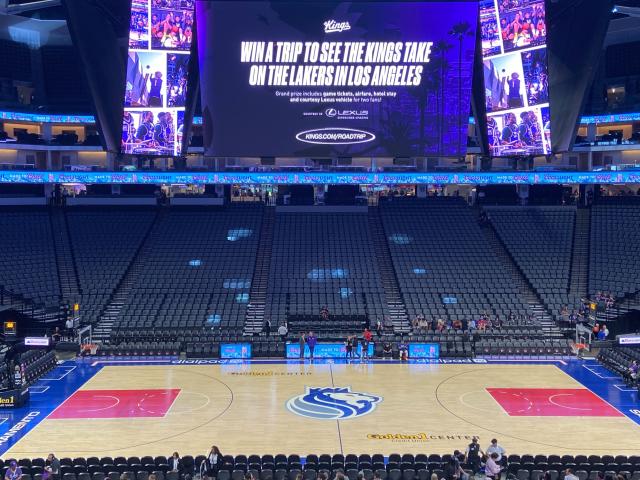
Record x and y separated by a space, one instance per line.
332 403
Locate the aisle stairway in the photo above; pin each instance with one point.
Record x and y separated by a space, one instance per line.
102 329
254 318
67 274
578 281
395 302
549 326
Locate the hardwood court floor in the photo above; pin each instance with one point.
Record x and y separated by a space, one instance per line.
154 410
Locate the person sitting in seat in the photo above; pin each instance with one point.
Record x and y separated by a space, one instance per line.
387 350
14 472
175 464
633 370
403 351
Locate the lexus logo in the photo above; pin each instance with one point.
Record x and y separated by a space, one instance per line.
331 112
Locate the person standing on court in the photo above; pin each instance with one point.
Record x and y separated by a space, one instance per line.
312 340
473 455
303 342
366 339
349 347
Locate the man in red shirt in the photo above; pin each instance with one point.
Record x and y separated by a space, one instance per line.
366 338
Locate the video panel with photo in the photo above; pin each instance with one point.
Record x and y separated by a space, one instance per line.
149 132
522 24
516 77
491 44
139 25
171 29
160 35
520 132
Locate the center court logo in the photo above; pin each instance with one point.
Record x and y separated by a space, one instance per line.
332 403
335 136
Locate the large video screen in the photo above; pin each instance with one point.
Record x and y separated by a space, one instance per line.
160 36
335 78
516 77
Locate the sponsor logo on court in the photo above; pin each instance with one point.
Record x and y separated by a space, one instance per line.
18 426
416 437
333 403
636 412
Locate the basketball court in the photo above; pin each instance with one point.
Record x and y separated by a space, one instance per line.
153 407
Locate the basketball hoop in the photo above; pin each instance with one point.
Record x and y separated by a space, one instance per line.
92 348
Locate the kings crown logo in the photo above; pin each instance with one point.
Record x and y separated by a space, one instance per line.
332 403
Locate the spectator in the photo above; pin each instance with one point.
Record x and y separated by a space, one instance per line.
267 327
17 377
69 328
57 335
283 331
497 449
472 324
54 466
175 464
212 463
324 312
492 469
387 350
453 470
312 340
364 344
403 350
303 342
379 328
633 370
473 454
602 334
349 345
14 472
450 471
595 330
568 475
